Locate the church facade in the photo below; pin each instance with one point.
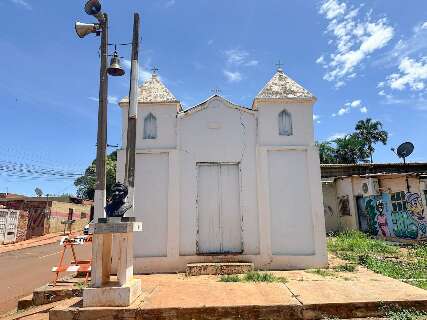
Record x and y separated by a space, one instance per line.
219 182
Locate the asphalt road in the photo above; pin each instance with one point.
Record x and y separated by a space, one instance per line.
23 270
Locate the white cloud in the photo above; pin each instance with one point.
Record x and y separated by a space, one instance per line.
251 63
414 46
364 110
355 39
22 3
412 75
239 57
316 118
170 3
355 103
336 136
111 99
321 59
144 74
342 111
233 76
332 9
210 42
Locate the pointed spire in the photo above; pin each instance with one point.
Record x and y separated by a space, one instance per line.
283 87
154 91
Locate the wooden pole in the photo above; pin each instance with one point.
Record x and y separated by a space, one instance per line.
101 149
132 114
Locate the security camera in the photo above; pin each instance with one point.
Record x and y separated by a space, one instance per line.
83 29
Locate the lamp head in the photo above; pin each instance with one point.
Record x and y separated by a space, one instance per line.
83 29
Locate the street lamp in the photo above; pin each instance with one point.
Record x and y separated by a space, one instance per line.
93 8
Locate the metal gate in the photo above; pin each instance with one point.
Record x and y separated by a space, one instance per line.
8 225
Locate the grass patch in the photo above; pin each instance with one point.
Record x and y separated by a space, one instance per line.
397 313
230 278
348 267
80 285
379 256
253 276
322 272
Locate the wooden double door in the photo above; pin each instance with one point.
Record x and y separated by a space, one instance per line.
218 207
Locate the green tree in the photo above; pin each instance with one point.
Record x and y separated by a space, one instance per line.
371 132
350 149
86 183
327 152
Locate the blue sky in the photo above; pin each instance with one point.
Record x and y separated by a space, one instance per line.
359 59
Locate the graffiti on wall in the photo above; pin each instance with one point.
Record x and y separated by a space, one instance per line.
400 214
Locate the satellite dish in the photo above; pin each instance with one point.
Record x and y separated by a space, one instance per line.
405 150
93 7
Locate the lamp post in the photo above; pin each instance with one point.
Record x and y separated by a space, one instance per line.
93 8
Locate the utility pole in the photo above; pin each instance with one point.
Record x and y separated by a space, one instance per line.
100 186
132 114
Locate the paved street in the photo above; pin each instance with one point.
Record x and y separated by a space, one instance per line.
23 270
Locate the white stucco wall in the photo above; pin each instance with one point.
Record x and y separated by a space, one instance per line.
281 206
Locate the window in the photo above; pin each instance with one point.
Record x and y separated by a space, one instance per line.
285 123
398 201
150 127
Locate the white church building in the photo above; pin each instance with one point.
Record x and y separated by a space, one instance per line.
219 182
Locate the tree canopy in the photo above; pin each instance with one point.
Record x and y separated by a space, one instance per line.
86 183
371 132
354 147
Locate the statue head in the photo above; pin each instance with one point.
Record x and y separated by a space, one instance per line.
119 192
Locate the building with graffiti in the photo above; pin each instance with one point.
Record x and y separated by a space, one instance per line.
384 200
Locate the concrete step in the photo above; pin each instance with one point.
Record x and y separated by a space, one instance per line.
218 268
25 302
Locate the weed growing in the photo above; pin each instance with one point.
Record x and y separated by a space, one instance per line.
253 276
230 278
387 259
322 272
348 267
397 313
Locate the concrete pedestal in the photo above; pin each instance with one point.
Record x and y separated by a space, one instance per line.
112 296
103 292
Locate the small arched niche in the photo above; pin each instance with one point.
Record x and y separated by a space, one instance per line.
150 126
285 123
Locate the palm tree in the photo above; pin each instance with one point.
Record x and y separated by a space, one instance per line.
371 132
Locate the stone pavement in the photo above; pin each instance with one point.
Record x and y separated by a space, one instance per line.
305 295
34 242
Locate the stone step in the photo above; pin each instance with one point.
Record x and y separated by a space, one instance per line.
25 302
218 268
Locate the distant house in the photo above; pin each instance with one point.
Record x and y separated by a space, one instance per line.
223 182
41 215
385 200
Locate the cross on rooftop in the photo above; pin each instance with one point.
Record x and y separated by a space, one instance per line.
154 70
279 65
216 91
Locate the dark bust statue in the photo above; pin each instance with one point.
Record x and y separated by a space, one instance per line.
117 207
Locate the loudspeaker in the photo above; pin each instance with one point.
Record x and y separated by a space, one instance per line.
93 7
83 29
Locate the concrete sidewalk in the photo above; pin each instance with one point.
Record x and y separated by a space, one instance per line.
305 295
34 242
